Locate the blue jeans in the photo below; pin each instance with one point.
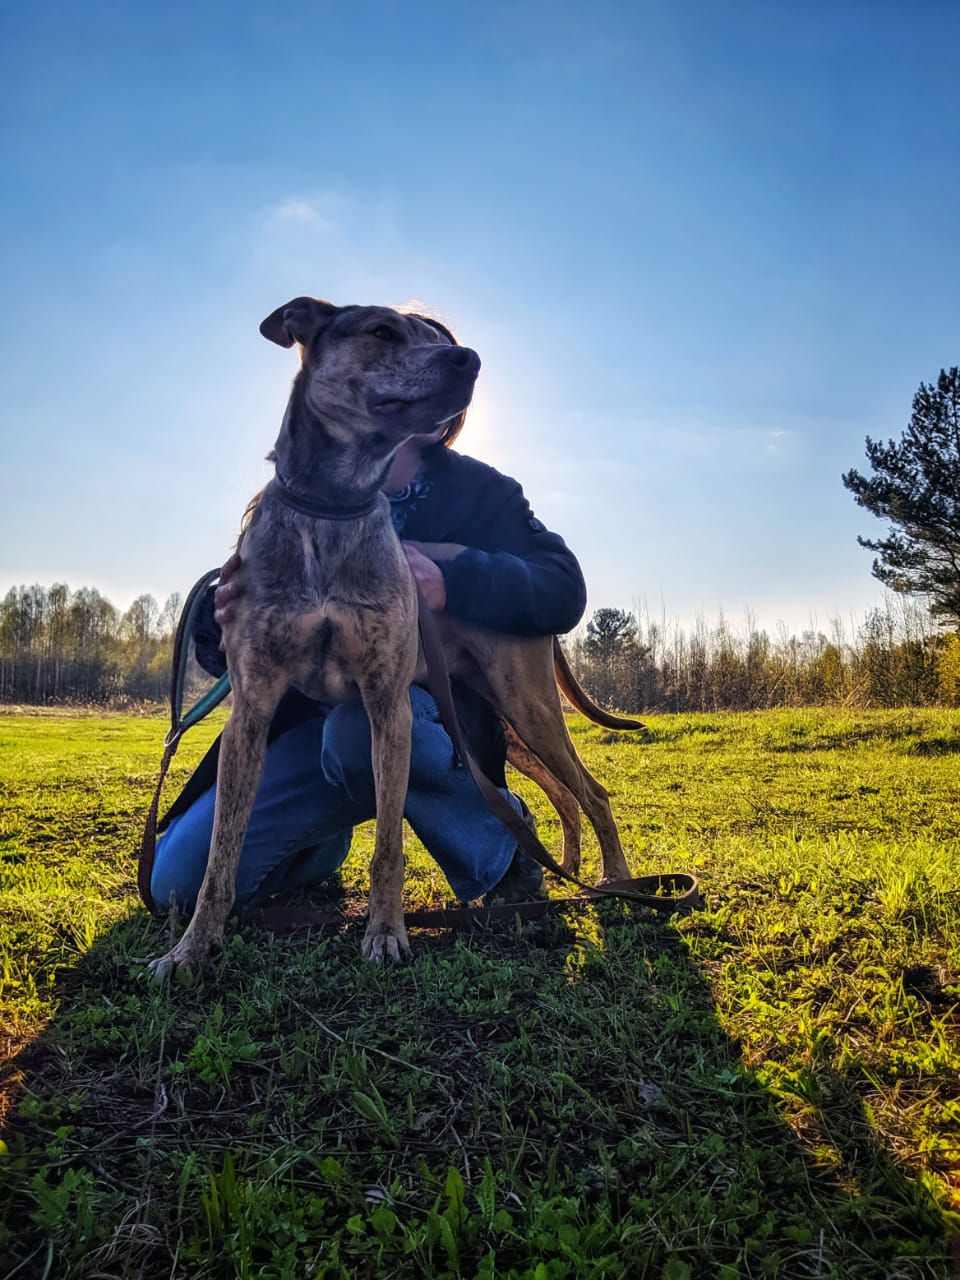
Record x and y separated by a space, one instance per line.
317 785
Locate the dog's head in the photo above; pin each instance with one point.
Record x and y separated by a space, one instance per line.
373 370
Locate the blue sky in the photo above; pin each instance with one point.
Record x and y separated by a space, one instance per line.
703 249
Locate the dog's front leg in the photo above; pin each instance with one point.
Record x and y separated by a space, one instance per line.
242 752
391 722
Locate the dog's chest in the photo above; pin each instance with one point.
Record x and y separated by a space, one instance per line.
333 607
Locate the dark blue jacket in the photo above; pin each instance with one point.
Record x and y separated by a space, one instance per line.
515 577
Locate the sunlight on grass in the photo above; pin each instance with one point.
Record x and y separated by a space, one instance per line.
764 1087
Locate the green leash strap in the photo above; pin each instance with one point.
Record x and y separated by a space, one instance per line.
180 723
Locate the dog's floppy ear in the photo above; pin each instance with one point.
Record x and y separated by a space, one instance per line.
297 321
440 328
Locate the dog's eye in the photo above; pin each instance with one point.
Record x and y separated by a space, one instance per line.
384 332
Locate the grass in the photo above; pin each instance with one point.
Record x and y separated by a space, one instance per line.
767 1087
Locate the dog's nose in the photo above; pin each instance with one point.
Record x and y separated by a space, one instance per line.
464 358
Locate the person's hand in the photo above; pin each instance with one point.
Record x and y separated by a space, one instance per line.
437 551
228 591
427 576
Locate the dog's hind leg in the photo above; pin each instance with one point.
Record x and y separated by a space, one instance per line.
520 678
517 676
562 799
537 722
242 752
391 722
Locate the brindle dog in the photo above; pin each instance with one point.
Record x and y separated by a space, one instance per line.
329 605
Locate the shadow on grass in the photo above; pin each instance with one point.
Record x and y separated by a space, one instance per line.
555 1101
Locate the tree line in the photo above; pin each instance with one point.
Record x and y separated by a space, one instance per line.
894 657
63 646
59 646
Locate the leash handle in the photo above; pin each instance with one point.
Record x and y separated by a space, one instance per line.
179 723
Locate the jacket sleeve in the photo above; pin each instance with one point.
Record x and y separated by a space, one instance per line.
522 579
206 639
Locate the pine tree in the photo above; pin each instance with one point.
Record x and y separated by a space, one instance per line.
610 633
916 486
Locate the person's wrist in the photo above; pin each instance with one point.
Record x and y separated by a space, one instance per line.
453 579
434 587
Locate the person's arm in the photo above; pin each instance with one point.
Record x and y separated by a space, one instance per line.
216 609
522 579
207 636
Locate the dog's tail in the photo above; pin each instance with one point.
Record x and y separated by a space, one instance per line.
580 699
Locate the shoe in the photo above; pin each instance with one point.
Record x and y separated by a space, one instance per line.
524 877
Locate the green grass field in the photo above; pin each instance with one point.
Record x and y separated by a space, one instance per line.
767 1087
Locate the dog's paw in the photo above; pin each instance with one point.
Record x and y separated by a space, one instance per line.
615 869
384 942
187 954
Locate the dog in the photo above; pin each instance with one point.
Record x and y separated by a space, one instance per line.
329 606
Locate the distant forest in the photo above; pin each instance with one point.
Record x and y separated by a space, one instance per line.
63 646
895 657
59 646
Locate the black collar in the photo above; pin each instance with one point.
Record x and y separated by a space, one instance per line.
321 510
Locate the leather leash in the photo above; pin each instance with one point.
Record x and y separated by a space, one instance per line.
664 892
461 919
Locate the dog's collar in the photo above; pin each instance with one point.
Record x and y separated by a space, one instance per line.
319 509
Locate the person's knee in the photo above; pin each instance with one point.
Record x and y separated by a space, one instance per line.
178 868
345 757
171 886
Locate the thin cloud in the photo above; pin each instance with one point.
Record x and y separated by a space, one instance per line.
297 209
